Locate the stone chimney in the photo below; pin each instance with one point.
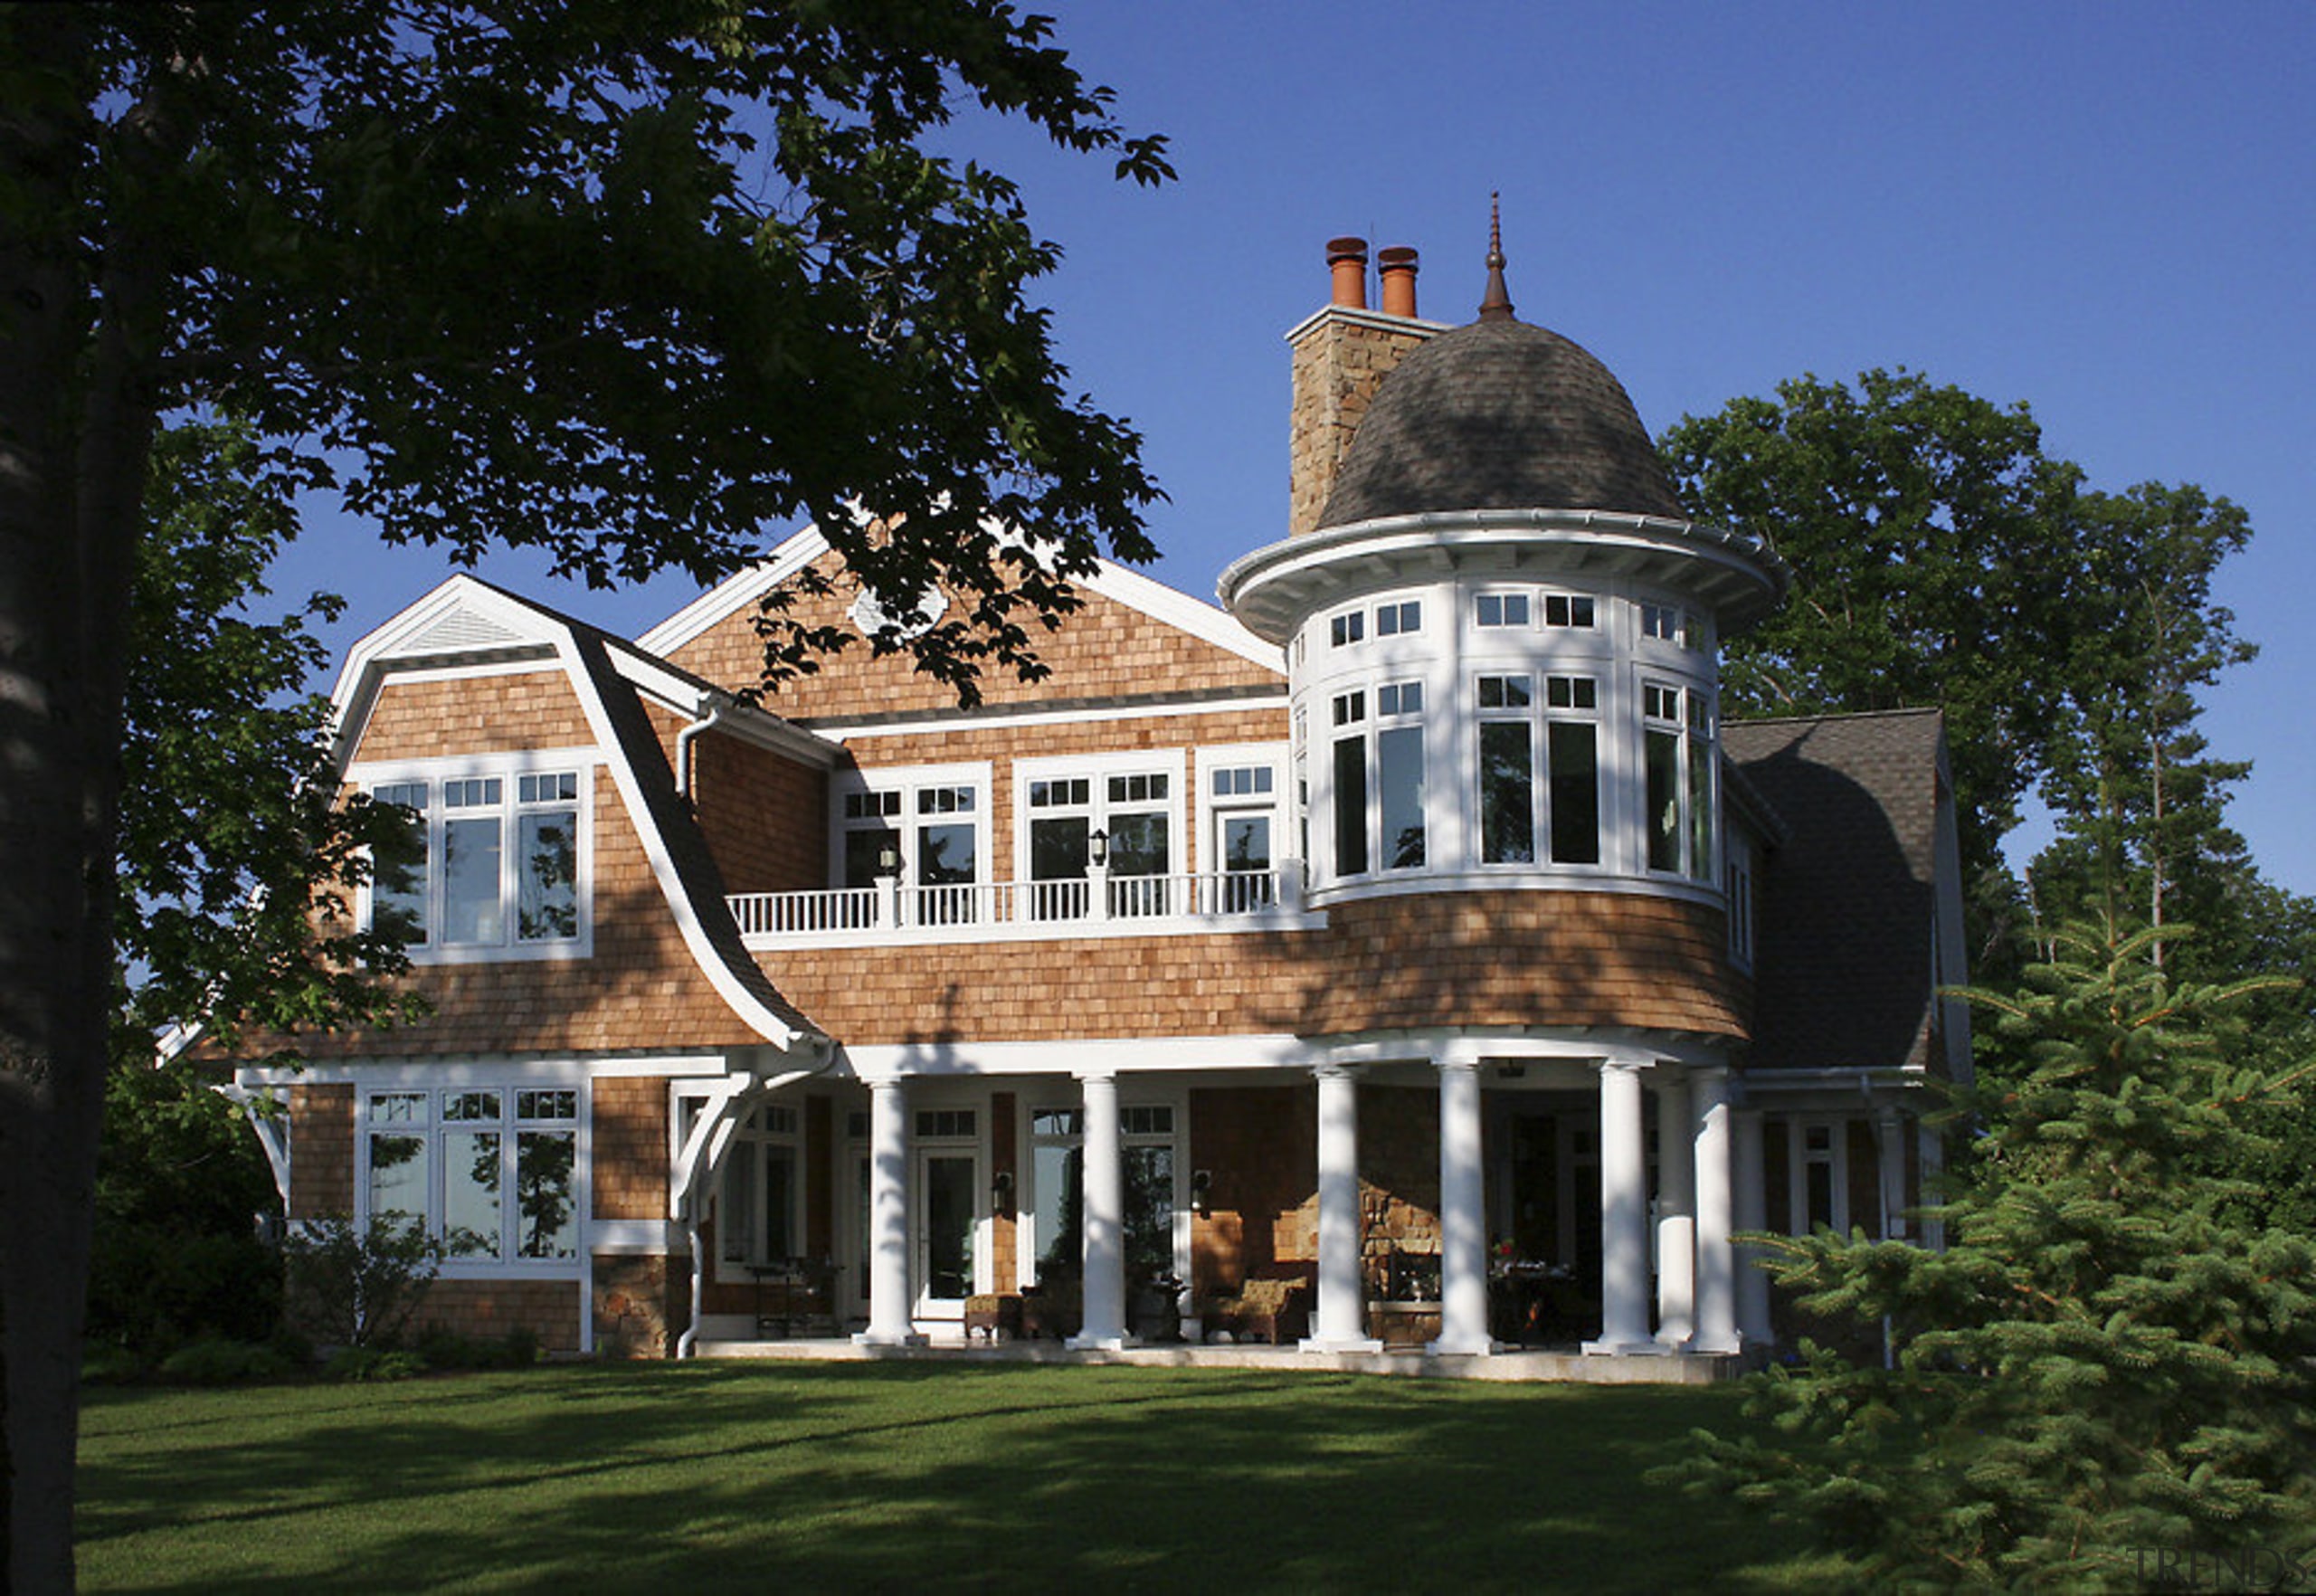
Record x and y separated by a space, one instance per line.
1340 357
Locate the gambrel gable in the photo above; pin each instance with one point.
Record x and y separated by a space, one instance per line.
475 687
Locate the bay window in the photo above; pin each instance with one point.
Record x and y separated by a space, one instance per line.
1512 787
1676 757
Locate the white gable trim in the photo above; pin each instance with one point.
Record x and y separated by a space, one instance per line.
464 607
1112 581
726 597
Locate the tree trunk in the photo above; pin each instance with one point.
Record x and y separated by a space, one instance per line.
75 426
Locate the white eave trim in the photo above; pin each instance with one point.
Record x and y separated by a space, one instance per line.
1274 586
1112 581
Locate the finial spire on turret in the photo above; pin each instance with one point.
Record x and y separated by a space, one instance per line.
1495 305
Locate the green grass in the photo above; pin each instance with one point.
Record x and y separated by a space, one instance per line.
696 1477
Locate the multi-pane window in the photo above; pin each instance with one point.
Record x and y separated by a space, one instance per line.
1399 773
759 1218
1379 779
1563 609
1241 798
1058 1190
1737 879
926 831
1347 628
1512 787
489 861
1500 609
1350 711
1669 624
486 1171
1677 774
1399 617
1134 809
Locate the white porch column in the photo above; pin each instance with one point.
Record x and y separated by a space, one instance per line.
1891 1148
1624 1216
1716 1260
1103 1287
1676 1241
1342 1294
889 1321
1463 1215
1749 1202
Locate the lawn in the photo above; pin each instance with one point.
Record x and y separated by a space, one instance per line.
707 1476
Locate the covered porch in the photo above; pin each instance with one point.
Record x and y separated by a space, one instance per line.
1412 1198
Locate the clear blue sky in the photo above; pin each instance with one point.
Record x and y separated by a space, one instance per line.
2108 211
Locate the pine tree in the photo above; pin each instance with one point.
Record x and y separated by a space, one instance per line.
2110 1364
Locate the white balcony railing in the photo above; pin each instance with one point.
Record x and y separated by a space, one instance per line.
963 911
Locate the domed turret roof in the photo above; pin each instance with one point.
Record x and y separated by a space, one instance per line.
1500 416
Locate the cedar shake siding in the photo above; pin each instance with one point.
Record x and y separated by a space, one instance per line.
474 716
1501 959
321 1144
1108 651
764 817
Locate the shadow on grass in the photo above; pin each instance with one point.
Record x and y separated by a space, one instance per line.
873 1476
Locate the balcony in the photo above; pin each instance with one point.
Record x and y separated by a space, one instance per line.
1096 904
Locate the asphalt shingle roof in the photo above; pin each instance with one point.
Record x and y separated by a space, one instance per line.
1500 416
1845 904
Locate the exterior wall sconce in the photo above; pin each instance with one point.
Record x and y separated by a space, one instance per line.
1201 1191
1000 1192
888 858
1097 850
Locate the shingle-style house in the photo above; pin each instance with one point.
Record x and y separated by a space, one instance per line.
1402 954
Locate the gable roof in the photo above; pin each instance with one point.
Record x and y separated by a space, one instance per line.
1131 588
1844 967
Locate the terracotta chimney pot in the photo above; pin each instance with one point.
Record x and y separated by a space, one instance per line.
1398 266
1347 258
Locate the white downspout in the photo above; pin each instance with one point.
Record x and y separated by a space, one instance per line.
700 723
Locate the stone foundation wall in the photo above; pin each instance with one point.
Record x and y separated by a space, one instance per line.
642 1304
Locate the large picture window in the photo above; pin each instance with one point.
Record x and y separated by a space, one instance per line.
492 864
489 1172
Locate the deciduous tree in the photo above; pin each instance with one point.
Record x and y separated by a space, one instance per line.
631 280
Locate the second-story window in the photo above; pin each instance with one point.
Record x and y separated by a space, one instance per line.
492 863
1399 618
1676 757
924 828
1512 787
1500 609
1379 779
1346 628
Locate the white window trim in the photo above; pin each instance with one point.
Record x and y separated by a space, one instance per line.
1798 1158
582 1163
1278 759
733 1272
1098 768
507 768
1028 1246
908 780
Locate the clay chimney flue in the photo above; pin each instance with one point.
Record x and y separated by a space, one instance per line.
1398 267
1347 259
